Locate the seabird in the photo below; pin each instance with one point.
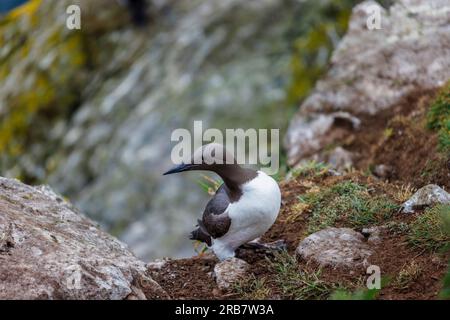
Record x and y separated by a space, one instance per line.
243 208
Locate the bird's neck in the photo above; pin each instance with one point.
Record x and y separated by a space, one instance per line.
234 176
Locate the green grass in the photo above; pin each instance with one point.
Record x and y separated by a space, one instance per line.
445 292
397 227
310 169
252 289
360 294
294 282
429 230
438 117
348 204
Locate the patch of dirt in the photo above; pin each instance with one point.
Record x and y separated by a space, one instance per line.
411 155
394 255
399 139
189 278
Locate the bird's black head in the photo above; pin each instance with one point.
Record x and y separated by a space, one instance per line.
211 157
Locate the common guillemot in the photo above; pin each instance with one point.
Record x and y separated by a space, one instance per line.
243 208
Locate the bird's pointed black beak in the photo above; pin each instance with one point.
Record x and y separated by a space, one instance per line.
179 168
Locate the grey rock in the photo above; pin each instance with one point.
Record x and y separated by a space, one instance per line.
336 247
157 264
426 196
229 271
372 70
373 234
382 171
50 251
340 159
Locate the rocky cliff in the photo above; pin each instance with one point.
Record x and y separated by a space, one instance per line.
374 74
49 250
380 117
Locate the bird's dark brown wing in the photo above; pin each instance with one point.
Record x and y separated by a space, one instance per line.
215 220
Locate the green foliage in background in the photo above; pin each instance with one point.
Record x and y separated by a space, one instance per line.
320 26
439 117
44 89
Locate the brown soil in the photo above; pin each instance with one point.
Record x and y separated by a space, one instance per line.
398 139
188 278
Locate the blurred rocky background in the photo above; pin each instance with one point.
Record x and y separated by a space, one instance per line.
90 111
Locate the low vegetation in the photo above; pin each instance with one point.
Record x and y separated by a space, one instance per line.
439 117
428 231
347 203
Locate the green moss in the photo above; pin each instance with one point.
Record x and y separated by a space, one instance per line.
439 117
347 204
45 93
319 24
429 230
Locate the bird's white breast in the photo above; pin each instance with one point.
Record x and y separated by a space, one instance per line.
253 214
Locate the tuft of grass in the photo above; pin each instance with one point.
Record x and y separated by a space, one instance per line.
445 292
360 294
409 273
403 193
429 230
348 203
297 283
397 227
298 209
252 288
310 169
438 117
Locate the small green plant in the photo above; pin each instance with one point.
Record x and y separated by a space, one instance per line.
348 203
428 231
310 169
396 227
295 282
409 273
252 288
438 117
360 294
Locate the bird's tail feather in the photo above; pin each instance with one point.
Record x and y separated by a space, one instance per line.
201 234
